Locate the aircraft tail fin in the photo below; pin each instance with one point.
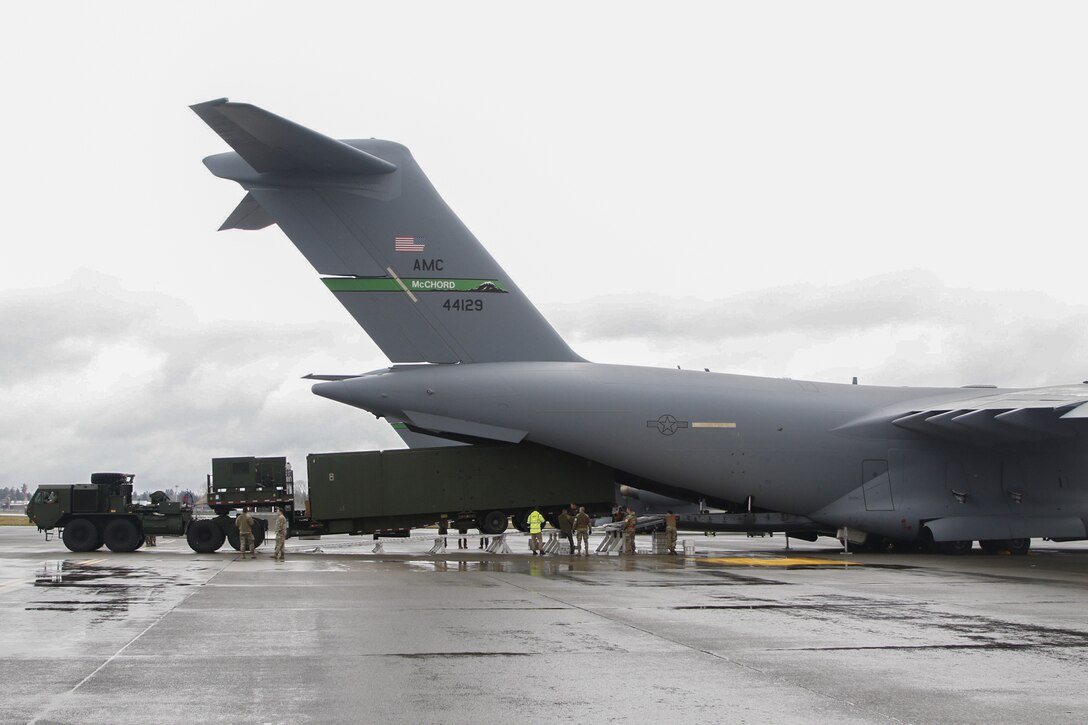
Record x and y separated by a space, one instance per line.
387 246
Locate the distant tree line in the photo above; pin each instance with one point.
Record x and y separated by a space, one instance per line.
13 493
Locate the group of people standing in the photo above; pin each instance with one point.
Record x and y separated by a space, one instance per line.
573 521
246 546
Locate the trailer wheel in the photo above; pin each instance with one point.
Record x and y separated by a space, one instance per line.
493 523
204 536
518 518
81 535
121 535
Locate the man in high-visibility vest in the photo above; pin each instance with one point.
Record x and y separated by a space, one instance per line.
536 523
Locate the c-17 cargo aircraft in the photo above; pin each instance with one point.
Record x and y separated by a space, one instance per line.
475 362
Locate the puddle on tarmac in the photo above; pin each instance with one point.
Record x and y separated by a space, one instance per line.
98 585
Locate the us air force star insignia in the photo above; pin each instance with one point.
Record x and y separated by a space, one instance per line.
666 425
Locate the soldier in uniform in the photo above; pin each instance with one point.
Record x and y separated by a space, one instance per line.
281 535
536 523
245 534
629 523
581 529
566 528
670 531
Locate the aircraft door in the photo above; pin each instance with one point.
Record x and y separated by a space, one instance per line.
876 485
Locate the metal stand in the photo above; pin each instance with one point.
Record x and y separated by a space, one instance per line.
612 542
439 546
498 545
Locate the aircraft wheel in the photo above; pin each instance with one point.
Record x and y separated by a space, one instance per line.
121 535
1017 547
876 544
956 547
493 523
81 535
926 544
204 536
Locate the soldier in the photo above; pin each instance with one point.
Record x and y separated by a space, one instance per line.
444 527
245 534
281 535
536 522
629 523
462 537
670 531
566 527
581 529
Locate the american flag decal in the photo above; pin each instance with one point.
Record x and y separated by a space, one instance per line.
409 244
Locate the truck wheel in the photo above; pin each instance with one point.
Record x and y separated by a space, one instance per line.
204 536
493 523
121 535
234 539
258 533
518 519
81 535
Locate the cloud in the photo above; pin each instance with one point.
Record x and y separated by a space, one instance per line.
96 377
904 328
99 378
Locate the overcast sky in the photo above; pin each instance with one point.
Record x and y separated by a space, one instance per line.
811 190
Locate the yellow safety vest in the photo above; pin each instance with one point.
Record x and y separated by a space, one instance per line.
536 521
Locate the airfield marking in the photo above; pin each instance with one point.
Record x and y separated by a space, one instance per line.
783 561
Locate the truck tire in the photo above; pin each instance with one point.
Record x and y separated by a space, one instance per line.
493 523
204 536
121 535
519 520
81 535
258 532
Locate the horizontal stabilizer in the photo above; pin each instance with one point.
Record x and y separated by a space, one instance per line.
270 143
248 215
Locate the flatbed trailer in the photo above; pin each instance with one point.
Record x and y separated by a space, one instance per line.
364 492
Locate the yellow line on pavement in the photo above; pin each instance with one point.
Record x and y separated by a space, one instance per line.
779 561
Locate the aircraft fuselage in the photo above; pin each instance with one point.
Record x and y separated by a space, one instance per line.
827 451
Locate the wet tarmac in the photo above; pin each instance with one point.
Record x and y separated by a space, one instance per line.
741 632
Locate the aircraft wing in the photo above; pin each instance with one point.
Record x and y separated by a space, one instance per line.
1005 416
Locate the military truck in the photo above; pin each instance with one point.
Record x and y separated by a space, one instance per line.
483 487
102 512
